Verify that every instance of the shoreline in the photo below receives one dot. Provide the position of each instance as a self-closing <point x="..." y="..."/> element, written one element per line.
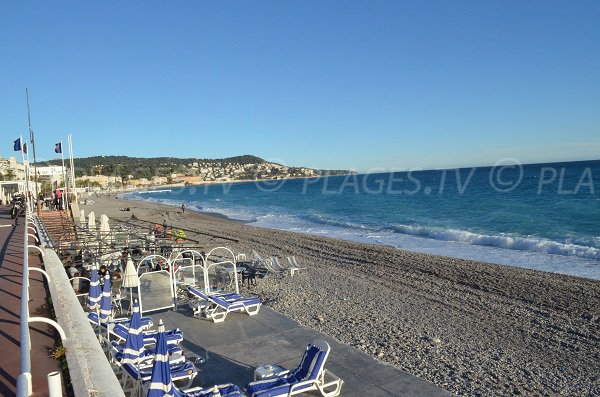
<point x="470" y="327"/>
<point x="516" y="258"/>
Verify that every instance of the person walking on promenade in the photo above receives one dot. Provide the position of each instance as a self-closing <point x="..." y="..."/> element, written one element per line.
<point x="59" y="203"/>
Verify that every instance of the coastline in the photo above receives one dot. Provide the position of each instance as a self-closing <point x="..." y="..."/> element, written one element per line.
<point x="524" y="251"/>
<point x="469" y="327"/>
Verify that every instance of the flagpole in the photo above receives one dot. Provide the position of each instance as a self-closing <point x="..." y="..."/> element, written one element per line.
<point x="32" y="140"/>
<point x="28" y="175"/>
<point x="70" y="144"/>
<point x="26" y="171"/>
<point x="24" y="167"/>
<point x="62" y="156"/>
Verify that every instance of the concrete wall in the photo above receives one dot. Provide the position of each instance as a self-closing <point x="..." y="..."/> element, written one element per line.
<point x="91" y="373"/>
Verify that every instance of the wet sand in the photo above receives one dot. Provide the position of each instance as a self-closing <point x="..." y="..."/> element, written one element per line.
<point x="473" y="328"/>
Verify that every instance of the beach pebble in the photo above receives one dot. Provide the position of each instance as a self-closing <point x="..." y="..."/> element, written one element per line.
<point x="504" y="331"/>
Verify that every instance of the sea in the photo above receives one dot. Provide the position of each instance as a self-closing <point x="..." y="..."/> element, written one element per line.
<point x="536" y="216"/>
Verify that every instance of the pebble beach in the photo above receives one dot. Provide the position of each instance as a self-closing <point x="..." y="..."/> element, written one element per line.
<point x="472" y="328"/>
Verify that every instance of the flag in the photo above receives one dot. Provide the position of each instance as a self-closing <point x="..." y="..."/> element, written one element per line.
<point x="17" y="145"/>
<point x="25" y="148"/>
<point x="58" y="147"/>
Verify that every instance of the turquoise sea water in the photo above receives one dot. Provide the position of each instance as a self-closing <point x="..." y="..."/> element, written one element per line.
<point x="542" y="216"/>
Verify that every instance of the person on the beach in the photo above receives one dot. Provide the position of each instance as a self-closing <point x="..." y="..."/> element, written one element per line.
<point x="164" y="225"/>
<point x="102" y="272"/>
<point x="182" y="208"/>
<point x="72" y="270"/>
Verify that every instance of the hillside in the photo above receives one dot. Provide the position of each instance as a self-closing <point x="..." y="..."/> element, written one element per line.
<point x="247" y="166"/>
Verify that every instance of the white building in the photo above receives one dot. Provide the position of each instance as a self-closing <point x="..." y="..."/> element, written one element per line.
<point x="55" y="172"/>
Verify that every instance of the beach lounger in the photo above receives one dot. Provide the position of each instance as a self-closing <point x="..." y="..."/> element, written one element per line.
<point x="271" y="268"/>
<point x="294" y="263"/>
<point x="119" y="329"/>
<point x="174" y="336"/>
<point x="226" y="390"/>
<point x="219" y="306"/>
<point x="285" y="267"/>
<point x="175" y="355"/>
<point x="133" y="375"/>
<point x="93" y="319"/>
<point x="310" y="375"/>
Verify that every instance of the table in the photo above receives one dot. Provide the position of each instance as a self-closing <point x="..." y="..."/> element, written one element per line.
<point x="267" y="371"/>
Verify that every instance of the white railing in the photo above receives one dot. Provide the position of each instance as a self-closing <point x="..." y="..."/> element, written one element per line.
<point x="24" y="381"/>
<point x="91" y="374"/>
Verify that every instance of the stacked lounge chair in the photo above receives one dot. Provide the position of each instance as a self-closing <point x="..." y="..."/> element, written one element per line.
<point x="119" y="328"/>
<point x="219" y="305"/>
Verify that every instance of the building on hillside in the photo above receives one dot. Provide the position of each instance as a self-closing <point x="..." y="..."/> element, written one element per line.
<point x="55" y="173"/>
<point x="103" y="180"/>
<point x="12" y="166"/>
<point x="159" y="180"/>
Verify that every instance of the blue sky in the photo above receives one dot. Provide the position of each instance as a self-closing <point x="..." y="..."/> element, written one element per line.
<point x="334" y="84"/>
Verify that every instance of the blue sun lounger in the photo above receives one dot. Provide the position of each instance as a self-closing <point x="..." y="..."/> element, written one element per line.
<point x="119" y="330"/>
<point x="175" y="355"/>
<point x="93" y="318"/>
<point x="226" y="390"/>
<point x="181" y="371"/>
<point x="174" y="336"/>
<point x="220" y="305"/>
<point x="309" y="376"/>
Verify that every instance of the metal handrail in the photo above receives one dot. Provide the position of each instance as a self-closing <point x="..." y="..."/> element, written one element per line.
<point x="24" y="384"/>
<point x="24" y="387"/>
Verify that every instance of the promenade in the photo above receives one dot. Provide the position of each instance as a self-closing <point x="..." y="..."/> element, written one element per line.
<point x="232" y="350"/>
<point x="42" y="339"/>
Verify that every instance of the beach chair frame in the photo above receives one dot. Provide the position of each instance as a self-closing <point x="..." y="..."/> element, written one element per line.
<point x="219" y="306"/>
<point x="325" y="382"/>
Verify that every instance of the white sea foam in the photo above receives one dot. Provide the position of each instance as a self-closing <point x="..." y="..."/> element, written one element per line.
<point x="506" y="241"/>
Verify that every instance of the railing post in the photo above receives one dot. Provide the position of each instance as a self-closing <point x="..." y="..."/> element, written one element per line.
<point x="37" y="269"/>
<point x="24" y="388"/>
<point x="54" y="384"/>
<point x="61" y="332"/>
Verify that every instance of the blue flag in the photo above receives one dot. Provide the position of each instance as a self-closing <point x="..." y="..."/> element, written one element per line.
<point x="17" y="145"/>
<point x="58" y="147"/>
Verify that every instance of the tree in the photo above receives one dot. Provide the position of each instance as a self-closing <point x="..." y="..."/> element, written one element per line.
<point x="10" y="175"/>
<point x="46" y="183"/>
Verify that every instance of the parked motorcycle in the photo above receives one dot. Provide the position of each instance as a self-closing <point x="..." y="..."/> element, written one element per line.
<point x="18" y="207"/>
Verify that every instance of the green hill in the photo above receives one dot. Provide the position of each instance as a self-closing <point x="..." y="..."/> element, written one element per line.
<point x="141" y="167"/>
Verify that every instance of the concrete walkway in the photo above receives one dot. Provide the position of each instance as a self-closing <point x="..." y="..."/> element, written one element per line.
<point x="234" y="348"/>
<point x="42" y="339"/>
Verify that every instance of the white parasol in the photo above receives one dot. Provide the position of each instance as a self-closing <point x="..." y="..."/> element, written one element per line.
<point x="105" y="229"/>
<point x="91" y="221"/>
<point x="130" y="278"/>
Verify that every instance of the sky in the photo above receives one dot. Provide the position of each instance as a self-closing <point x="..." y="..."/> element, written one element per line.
<point x="357" y="85"/>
